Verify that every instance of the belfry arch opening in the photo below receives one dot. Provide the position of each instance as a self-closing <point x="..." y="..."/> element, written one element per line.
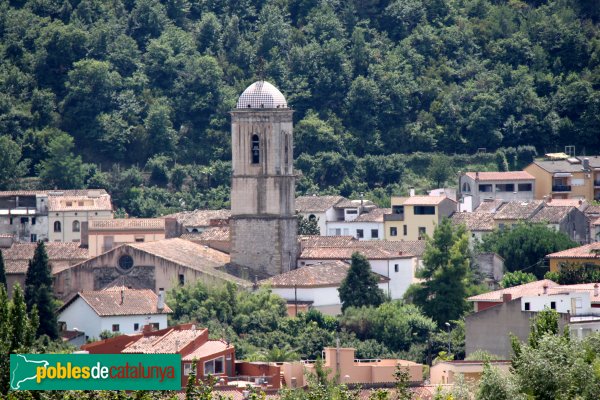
<point x="255" y="149"/>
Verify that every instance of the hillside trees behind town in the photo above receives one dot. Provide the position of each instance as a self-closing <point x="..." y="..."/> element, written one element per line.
<point x="525" y="246"/>
<point x="92" y="91"/>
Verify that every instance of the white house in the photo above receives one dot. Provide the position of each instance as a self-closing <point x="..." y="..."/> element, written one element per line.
<point x="508" y="186"/>
<point x="321" y="208"/>
<point x="366" y="226"/>
<point x="114" y="310"/>
<point x="316" y="284"/>
<point x="397" y="266"/>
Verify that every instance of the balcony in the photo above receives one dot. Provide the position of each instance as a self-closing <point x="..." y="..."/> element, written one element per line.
<point x="393" y="217"/>
<point x="561" y="188"/>
<point x="597" y="184"/>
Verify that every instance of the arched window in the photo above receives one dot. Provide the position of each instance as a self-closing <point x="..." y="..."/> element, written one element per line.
<point x="57" y="226"/>
<point x="76" y="226"/>
<point x="286" y="155"/>
<point x="255" y="149"/>
<point x="466" y="188"/>
<point x="312" y="217"/>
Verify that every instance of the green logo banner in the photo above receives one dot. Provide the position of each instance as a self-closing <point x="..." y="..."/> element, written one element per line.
<point x="95" y="371"/>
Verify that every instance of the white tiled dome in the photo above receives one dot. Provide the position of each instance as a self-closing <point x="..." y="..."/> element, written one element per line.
<point x="261" y="94"/>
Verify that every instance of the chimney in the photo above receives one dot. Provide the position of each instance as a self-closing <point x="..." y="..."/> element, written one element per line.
<point x="411" y="192"/>
<point x="586" y="164"/>
<point x="506" y="297"/>
<point x="161" y="299"/>
<point x="545" y="289"/>
<point x="122" y="296"/>
<point x="477" y="176"/>
<point x="596" y="290"/>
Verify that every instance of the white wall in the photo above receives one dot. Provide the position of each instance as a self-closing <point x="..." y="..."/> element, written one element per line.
<point x="350" y="228"/>
<point x="572" y="303"/>
<point x="81" y="316"/>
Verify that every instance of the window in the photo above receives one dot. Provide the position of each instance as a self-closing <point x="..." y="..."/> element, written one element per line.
<point x="125" y="262"/>
<point x="11" y="220"/>
<point x="255" y="149"/>
<point x="485" y="188"/>
<point x="346" y="231"/>
<point x="525" y="187"/>
<point x="360" y="233"/>
<point x="32" y="220"/>
<point x="214" y="366"/>
<point x="553" y="305"/>
<point x="466" y="187"/>
<point x="80" y="203"/>
<point x="351" y="211"/>
<point x="397" y="209"/>
<point x="424" y="210"/>
<point x="422" y="232"/>
<point x="136" y="327"/>
<point x="393" y="231"/>
<point x="115" y="328"/>
<point x="187" y="369"/>
<point x="33" y="238"/>
<point x="527" y="306"/>
<point x="24" y="220"/>
<point x="404" y="230"/>
<point x="501" y="226"/>
<point x="374" y="233"/>
<point x="181" y="279"/>
<point x="57" y="227"/>
<point x="312" y="217"/>
<point x="139" y="239"/>
<point x="155" y="326"/>
<point x="505" y="187"/>
<point x="76" y="226"/>
<point x="396" y="268"/>
<point x="69" y="204"/>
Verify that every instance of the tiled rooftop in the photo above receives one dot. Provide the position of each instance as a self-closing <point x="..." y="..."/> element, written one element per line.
<point x="79" y="203"/>
<point x="316" y="204"/>
<point x="217" y="233"/>
<point x="169" y="343"/>
<point x="501" y="176"/>
<point x="375" y="215"/>
<point x="474" y="221"/>
<point x="206" y="349"/>
<point x="586" y="251"/>
<point x="528" y="289"/>
<point x="16" y="258"/>
<point x="518" y="210"/>
<point x="82" y="192"/>
<point x="200" y="218"/>
<point x="566" y="202"/>
<point x="552" y="215"/>
<point x="425" y="200"/>
<point x="490" y="206"/>
<point x="126" y="224"/>
<point x="108" y="302"/>
<point x="326" y="241"/>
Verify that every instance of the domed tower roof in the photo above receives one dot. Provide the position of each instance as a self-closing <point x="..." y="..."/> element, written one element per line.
<point x="261" y="94"/>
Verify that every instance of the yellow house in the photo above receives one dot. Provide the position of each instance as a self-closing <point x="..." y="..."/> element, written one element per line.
<point x="416" y="216"/>
<point x="559" y="176"/>
<point x="67" y="212"/>
<point x="588" y="254"/>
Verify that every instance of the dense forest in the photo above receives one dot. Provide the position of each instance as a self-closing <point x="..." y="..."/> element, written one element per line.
<point x="133" y="95"/>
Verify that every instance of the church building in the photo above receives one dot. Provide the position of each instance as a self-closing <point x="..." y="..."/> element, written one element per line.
<point x="263" y="222"/>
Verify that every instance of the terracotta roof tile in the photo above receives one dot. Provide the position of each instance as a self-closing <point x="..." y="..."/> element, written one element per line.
<point x="347" y="203"/>
<point x="317" y="204"/>
<point x="108" y="302"/>
<point x="200" y="218"/>
<point x="330" y="273"/>
<point x="566" y="202"/>
<point x="490" y="206"/>
<point x="17" y="257"/>
<point x="405" y="247"/>
<point x="425" y="200"/>
<point x="528" y="289"/>
<point x="207" y="349"/>
<point x="126" y="223"/>
<point x="583" y="287"/>
<point x="326" y="241"/>
<point x="169" y="343"/>
<point x="592" y="210"/>
<point x="585" y="251"/>
<point x="518" y="210"/>
<point x="474" y="221"/>
<point x="552" y="215"/>
<point x="217" y="233"/>
<point x="49" y="192"/>
<point x="375" y="215"/>
<point x="79" y="203"/>
<point x="502" y="176"/>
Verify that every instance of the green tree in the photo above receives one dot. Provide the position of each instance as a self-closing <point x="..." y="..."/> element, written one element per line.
<point x="11" y="166"/>
<point x="62" y="169"/>
<point x="38" y="291"/>
<point x="2" y="272"/>
<point x="360" y="287"/>
<point x="439" y="170"/>
<point x="545" y="323"/>
<point x="496" y="385"/>
<point x="516" y="278"/>
<point x="308" y="226"/>
<point x="524" y="246"/>
<point x="445" y="274"/>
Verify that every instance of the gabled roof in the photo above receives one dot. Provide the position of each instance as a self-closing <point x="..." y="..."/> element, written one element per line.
<point x="18" y="255"/>
<point x="326" y="241"/>
<point x="501" y="176"/>
<point x="217" y="233"/>
<point x="200" y="218"/>
<point x="592" y="210"/>
<point x="585" y="251"/>
<point x="399" y="247"/>
<point x="425" y="200"/>
<point x="490" y="206"/>
<point x="347" y="203"/>
<point x="528" y="289"/>
<point x="170" y="342"/>
<point x="120" y="302"/>
<point x="552" y="215"/>
<point x="581" y="204"/>
<point x="514" y="210"/>
<point x="474" y="221"/>
<point x="375" y="215"/>
<point x="316" y="204"/>
<point x="207" y="349"/>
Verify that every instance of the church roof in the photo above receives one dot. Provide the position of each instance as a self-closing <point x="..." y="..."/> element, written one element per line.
<point x="261" y="94"/>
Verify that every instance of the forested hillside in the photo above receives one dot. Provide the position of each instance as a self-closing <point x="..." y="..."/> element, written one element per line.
<point x="133" y="95"/>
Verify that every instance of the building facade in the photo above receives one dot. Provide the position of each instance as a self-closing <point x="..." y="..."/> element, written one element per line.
<point x="482" y="186"/>
<point x="263" y="182"/>
<point x="414" y="217"/>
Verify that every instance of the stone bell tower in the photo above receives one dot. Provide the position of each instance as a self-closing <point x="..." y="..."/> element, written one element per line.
<point x="263" y="222"/>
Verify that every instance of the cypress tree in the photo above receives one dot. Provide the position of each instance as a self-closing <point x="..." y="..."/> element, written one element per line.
<point x="38" y="292"/>
<point x="2" y="271"/>
<point x="360" y="288"/>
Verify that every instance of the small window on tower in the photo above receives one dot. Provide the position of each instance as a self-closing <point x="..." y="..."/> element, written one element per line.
<point x="255" y="149"/>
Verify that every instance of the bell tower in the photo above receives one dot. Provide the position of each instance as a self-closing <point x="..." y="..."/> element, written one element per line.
<point x="263" y="222"/>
